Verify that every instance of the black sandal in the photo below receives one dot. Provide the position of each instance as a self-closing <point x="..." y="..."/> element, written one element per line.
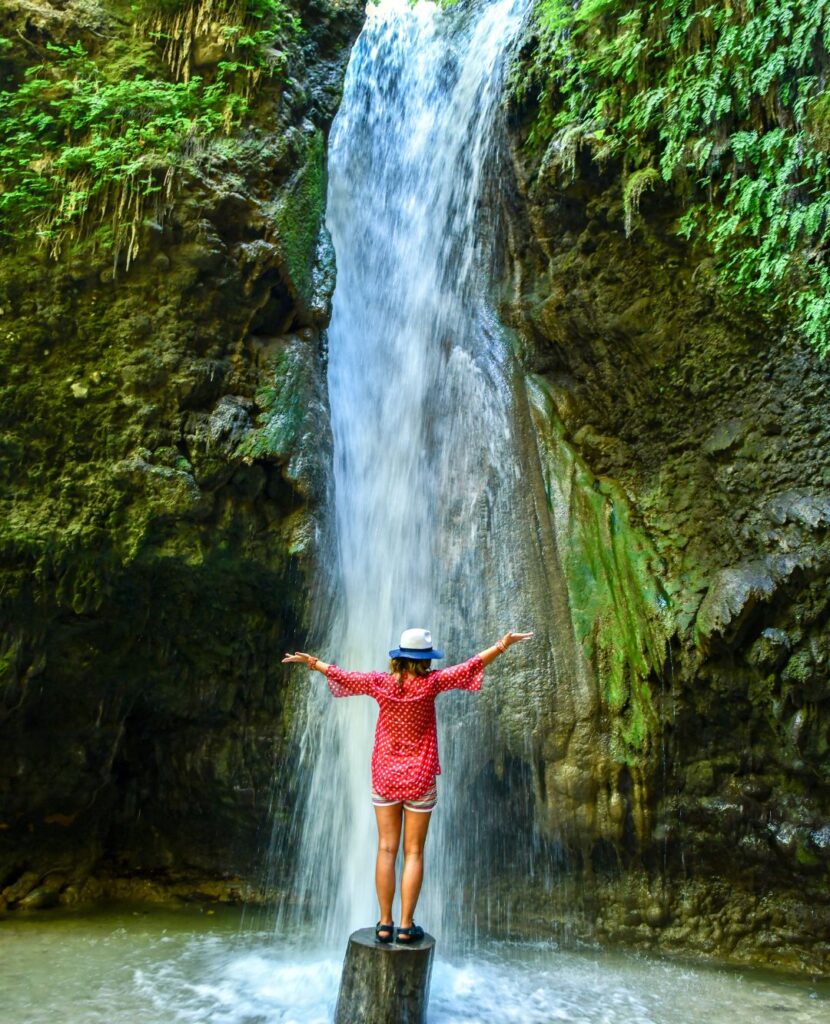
<point x="384" y="928"/>
<point x="414" y="934"/>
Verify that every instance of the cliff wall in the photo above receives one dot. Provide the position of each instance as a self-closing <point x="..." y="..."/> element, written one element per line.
<point x="166" y="453"/>
<point x="685" y="448"/>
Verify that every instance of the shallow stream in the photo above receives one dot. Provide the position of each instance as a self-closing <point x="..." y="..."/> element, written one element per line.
<point x="187" y="966"/>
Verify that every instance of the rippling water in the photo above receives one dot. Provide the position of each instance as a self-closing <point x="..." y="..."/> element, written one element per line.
<point x="164" y="967"/>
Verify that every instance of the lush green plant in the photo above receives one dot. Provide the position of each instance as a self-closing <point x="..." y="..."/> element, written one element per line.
<point x="251" y="29"/>
<point x="725" y="101"/>
<point x="97" y="142"/>
<point x="72" y="142"/>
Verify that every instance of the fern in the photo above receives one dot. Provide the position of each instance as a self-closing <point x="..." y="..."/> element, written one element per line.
<point x="725" y="99"/>
<point x="91" y="141"/>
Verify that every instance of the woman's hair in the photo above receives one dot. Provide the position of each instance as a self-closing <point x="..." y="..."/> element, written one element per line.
<point x="412" y="666"/>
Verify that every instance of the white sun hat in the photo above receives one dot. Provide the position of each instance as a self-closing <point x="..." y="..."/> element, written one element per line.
<point x="416" y="644"/>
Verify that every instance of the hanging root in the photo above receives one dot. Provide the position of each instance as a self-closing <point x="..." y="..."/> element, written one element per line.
<point x="635" y="185"/>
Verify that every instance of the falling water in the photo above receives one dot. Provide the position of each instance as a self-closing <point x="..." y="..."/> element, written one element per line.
<point x="425" y="471"/>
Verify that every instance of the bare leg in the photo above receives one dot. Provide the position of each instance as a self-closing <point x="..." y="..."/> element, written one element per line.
<point x="389" y="837"/>
<point x="415" y="828"/>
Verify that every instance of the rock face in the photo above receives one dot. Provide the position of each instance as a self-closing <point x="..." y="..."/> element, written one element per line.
<point x="165" y="466"/>
<point x="685" y="451"/>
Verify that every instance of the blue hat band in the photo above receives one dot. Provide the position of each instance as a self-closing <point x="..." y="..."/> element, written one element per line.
<point x="416" y="653"/>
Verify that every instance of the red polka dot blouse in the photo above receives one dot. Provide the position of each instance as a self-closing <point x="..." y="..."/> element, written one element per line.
<point x="405" y="754"/>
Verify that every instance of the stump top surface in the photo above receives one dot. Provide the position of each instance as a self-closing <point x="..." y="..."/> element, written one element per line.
<point x="366" y="937"/>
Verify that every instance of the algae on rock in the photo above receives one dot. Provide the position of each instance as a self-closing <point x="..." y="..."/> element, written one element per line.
<point x="618" y="609"/>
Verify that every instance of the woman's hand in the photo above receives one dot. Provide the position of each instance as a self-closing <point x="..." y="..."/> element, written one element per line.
<point x="513" y="638"/>
<point x="501" y="646"/>
<point x="305" y="659"/>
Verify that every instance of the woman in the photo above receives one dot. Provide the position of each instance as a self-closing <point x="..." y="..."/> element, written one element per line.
<point x="405" y="756"/>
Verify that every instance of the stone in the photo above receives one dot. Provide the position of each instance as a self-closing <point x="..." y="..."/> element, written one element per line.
<point x="820" y="839"/>
<point x="725" y="436"/>
<point x="700" y="778"/>
<point x="207" y="51"/>
<point x="734" y="592"/>
<point x="770" y="650"/>
<point x="41" y="898"/>
<point x="805" y="508"/>
<point x="384" y="982"/>
<point x="22" y="887"/>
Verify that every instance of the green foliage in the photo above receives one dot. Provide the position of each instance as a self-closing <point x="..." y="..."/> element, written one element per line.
<point x="73" y="139"/>
<point x="95" y="142"/>
<point x="726" y="101"/>
<point x="250" y="29"/>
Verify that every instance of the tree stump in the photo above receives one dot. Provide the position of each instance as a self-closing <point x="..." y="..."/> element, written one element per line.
<point x="384" y="983"/>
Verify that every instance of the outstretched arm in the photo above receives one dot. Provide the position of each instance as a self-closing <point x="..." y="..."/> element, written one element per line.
<point x="469" y="674"/>
<point x="341" y="683"/>
<point x="501" y="646"/>
<point x="307" y="659"/>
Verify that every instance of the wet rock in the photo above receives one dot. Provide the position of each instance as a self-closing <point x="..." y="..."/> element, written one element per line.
<point x="700" y="778"/>
<point x="44" y="896"/>
<point x="725" y="437"/>
<point x="733" y="594"/>
<point x="208" y="51"/>
<point x="200" y="383"/>
<point x="143" y="556"/>
<point x="806" y="508"/>
<point x="24" y="885"/>
<point x="820" y="839"/>
<point x="229" y="423"/>
<point x="657" y="914"/>
<point x="249" y="481"/>
<point x="804" y="676"/>
<point x="169" y="491"/>
<point x="214" y="439"/>
<point x="709" y="423"/>
<point x="770" y="650"/>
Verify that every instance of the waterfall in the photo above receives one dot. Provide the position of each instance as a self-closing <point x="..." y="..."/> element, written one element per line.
<point x="428" y="486"/>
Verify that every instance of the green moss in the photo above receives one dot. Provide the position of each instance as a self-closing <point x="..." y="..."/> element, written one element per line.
<point x="805" y="856"/>
<point x="299" y="215"/>
<point x="283" y="404"/>
<point x="619" y="609"/>
<point x="818" y="121"/>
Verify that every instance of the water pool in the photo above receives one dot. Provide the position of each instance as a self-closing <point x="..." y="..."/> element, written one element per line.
<point x="169" y="966"/>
